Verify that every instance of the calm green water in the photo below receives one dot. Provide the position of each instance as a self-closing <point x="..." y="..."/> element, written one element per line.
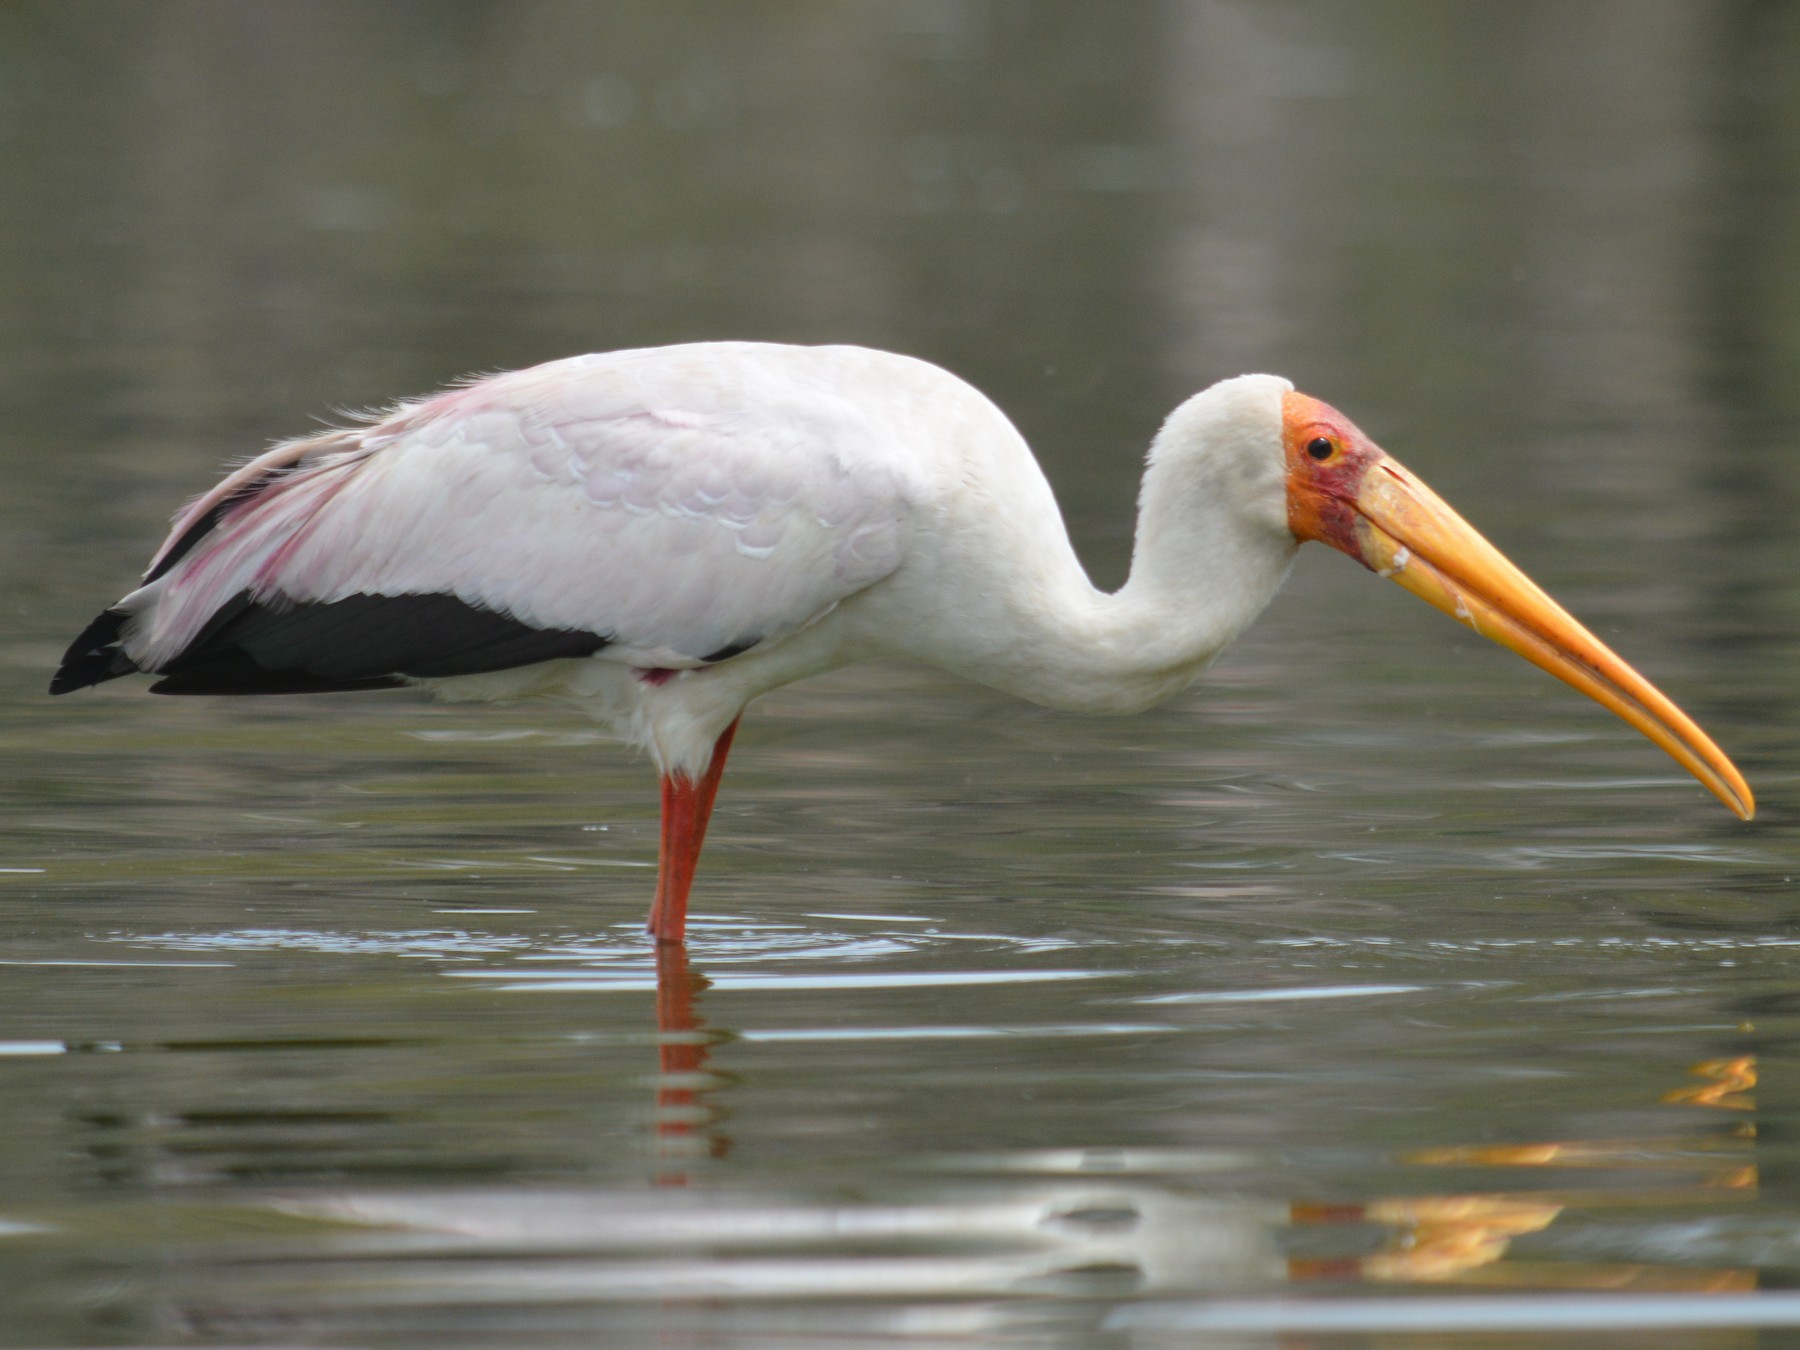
<point x="1377" y="971"/>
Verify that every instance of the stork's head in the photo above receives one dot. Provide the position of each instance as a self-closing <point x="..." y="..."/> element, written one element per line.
<point x="1344" y="490"/>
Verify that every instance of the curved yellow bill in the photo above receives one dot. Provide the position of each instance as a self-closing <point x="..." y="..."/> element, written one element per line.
<point x="1407" y="533"/>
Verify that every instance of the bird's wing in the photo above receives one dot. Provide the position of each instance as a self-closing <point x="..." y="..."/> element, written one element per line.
<point x="672" y="521"/>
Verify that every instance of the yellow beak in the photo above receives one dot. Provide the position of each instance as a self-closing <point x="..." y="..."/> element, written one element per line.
<point x="1406" y="532"/>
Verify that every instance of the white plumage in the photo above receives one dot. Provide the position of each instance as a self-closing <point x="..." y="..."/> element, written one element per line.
<point x="683" y="500"/>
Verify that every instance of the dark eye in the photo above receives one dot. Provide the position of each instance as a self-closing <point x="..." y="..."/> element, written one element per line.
<point x="1321" y="447"/>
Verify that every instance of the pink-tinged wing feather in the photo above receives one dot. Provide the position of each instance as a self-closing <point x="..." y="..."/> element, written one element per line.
<point x="678" y="509"/>
<point x="243" y="481"/>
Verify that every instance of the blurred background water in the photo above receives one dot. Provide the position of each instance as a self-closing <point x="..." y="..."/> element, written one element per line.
<point x="1376" y="970"/>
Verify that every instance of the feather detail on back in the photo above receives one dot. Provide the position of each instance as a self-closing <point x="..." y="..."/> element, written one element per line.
<point x="680" y="520"/>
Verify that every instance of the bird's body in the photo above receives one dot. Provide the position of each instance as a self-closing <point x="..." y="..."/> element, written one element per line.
<point x="710" y="522"/>
<point x="665" y="534"/>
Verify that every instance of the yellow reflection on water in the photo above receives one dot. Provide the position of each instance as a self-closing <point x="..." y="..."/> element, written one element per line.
<point x="1466" y="1239"/>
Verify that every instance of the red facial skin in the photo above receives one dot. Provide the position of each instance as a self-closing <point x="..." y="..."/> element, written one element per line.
<point x="1322" y="492"/>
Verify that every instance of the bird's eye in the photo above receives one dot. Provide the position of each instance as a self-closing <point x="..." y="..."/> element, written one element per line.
<point x="1321" y="447"/>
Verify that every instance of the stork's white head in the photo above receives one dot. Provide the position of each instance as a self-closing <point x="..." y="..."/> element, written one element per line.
<point x="1222" y="451"/>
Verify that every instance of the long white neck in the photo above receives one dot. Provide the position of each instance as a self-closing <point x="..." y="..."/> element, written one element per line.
<point x="1212" y="548"/>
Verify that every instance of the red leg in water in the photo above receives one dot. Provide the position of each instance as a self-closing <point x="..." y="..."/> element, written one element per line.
<point x="686" y="807"/>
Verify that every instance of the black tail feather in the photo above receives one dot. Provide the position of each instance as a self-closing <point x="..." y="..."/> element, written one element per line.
<point x="95" y="656"/>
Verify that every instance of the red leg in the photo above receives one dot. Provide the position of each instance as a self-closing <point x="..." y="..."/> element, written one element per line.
<point x="686" y="807"/>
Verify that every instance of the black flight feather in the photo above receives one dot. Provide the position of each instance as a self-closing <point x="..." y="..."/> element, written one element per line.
<point x="360" y="642"/>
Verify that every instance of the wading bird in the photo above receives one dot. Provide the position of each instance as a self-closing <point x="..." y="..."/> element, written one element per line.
<point x="662" y="535"/>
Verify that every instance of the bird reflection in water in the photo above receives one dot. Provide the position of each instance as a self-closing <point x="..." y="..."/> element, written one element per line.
<point x="988" y="1234"/>
<point x="686" y="1123"/>
<point x="1438" y="1239"/>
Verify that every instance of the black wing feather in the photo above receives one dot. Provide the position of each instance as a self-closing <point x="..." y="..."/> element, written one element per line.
<point x="360" y="642"/>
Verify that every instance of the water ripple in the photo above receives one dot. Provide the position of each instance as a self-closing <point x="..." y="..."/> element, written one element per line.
<point x="715" y="942"/>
